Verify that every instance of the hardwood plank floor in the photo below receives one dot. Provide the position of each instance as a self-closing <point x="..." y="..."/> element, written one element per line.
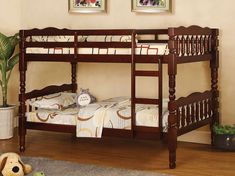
<point x="192" y="159"/>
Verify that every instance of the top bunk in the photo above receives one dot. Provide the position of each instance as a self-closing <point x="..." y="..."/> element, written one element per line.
<point x="187" y="44"/>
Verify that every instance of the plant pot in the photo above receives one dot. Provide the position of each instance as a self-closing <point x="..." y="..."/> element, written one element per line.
<point x="6" y="122"/>
<point x="225" y="141"/>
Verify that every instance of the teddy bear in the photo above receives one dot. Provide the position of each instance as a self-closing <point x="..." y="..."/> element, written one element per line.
<point x="11" y="165"/>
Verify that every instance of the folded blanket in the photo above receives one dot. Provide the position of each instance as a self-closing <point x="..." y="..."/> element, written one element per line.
<point x="90" y="120"/>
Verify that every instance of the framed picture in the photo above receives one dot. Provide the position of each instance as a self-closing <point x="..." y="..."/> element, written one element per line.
<point x="151" y="6"/>
<point x="87" y="6"/>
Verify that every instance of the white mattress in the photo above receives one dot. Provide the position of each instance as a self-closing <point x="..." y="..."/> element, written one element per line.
<point x="81" y="38"/>
<point x="141" y="49"/>
<point x="64" y="117"/>
<point x="119" y="116"/>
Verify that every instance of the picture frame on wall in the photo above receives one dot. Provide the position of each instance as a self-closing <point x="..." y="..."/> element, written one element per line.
<point x="151" y="6"/>
<point x="87" y="6"/>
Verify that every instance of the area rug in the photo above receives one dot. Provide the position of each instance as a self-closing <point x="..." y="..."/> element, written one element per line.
<point x="64" y="168"/>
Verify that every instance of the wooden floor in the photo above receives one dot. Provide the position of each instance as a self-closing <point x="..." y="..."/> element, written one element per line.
<point x="192" y="159"/>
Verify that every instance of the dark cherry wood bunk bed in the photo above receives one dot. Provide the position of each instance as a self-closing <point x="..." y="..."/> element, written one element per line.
<point x="186" y="45"/>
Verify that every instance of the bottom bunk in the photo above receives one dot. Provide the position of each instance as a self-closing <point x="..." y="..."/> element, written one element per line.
<point x="112" y="117"/>
<point x="101" y="118"/>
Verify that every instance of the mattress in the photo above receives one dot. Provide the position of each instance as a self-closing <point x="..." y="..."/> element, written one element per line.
<point x="64" y="117"/>
<point x="117" y="117"/>
<point x="141" y="48"/>
<point x="80" y="38"/>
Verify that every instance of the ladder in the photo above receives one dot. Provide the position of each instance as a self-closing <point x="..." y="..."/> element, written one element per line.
<point x="145" y="73"/>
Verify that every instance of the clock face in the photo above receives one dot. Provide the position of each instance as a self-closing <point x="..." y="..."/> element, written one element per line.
<point x="84" y="99"/>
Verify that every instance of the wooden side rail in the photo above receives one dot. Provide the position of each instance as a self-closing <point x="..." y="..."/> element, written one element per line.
<point x="50" y="57"/>
<point x="193" y="111"/>
<point x="140" y="132"/>
<point x="80" y="44"/>
<point x="48" y="90"/>
<point x="92" y="58"/>
<point x="151" y="31"/>
<point x="191" y="59"/>
<point x="50" y="30"/>
<point x="49" y="44"/>
<point x="105" y="32"/>
<point x="56" y="31"/>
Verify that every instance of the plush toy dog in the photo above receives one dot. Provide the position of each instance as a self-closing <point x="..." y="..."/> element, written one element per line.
<point x="11" y="165"/>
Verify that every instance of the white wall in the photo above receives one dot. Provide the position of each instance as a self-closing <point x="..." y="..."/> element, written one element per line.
<point x="10" y="20"/>
<point x="10" y="16"/>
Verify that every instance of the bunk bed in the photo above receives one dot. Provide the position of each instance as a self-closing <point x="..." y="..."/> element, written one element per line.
<point x="183" y="45"/>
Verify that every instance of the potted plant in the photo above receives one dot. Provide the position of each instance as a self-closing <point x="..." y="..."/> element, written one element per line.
<point x="224" y="137"/>
<point x="7" y="62"/>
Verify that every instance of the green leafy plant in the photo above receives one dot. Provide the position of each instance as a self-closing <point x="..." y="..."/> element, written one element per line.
<point x="7" y="62"/>
<point x="224" y="129"/>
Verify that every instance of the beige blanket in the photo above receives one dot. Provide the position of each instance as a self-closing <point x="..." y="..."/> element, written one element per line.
<point x="90" y="120"/>
<point x="115" y="113"/>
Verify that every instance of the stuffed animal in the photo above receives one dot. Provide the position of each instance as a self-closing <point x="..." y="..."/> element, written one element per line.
<point x="38" y="174"/>
<point x="84" y="98"/>
<point x="11" y="165"/>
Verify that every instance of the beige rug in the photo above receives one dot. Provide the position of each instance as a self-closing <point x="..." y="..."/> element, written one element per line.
<point x="64" y="168"/>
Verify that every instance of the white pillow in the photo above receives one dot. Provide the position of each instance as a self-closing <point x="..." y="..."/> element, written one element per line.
<point x="57" y="101"/>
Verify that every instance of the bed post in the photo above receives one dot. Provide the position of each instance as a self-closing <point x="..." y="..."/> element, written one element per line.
<point x="73" y="76"/>
<point x="172" y="119"/>
<point x="22" y="107"/>
<point x="214" y="65"/>
<point x="74" y="64"/>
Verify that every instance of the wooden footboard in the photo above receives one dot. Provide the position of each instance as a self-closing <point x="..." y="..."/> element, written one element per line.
<point x="193" y="111"/>
<point x="192" y="44"/>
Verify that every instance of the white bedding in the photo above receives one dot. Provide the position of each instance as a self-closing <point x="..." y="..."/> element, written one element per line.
<point x="81" y="38"/>
<point x="64" y="117"/>
<point x="141" y="49"/>
<point x="90" y="120"/>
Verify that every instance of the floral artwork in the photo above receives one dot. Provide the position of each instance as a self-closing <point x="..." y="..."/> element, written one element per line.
<point x="88" y="3"/>
<point x="87" y="6"/>
<point x="151" y="6"/>
<point x="152" y="3"/>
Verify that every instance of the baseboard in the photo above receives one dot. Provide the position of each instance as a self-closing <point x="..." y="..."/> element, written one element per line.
<point x="202" y="137"/>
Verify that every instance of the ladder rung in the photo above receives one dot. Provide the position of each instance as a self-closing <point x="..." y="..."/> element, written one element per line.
<point x="146" y="101"/>
<point x="146" y="73"/>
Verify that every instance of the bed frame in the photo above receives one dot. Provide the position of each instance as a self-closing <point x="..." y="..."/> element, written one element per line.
<point x="186" y="45"/>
